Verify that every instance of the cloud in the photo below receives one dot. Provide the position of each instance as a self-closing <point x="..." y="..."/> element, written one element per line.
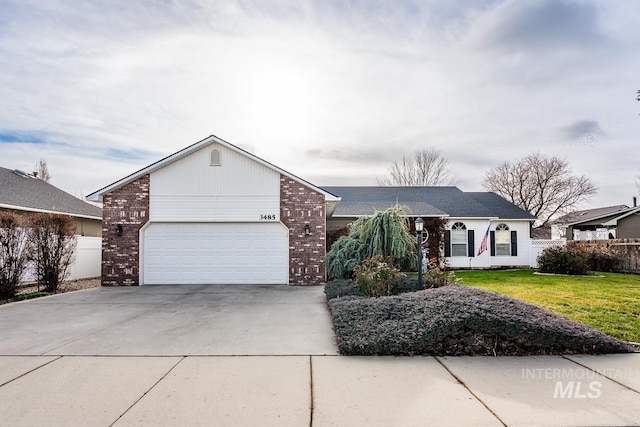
<point x="333" y="91"/>
<point x="22" y="137"/>
<point x="585" y="131"/>
<point x="540" y="25"/>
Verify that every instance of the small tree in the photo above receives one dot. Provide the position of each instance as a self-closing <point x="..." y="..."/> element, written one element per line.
<point x="42" y="171"/>
<point x="53" y="242"/>
<point x="13" y="252"/>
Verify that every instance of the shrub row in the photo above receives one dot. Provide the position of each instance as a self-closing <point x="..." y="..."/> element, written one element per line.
<point x="455" y="320"/>
<point x="341" y="288"/>
<point x="578" y="259"/>
<point x="46" y="242"/>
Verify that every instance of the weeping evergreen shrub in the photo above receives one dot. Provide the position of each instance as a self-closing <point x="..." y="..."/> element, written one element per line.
<point x="343" y="257"/>
<point x="384" y="233"/>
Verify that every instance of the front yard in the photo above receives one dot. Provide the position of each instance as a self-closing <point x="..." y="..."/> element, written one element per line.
<point x="610" y="304"/>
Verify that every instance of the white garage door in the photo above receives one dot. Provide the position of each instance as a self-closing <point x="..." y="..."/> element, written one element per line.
<point x="215" y="253"/>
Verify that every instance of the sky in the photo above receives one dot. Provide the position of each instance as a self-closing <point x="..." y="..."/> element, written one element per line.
<point x="332" y="91"/>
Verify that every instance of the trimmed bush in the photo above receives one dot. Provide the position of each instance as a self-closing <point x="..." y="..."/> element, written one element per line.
<point x="602" y="258"/>
<point x="455" y="320"/>
<point x="342" y="288"/>
<point x="563" y="260"/>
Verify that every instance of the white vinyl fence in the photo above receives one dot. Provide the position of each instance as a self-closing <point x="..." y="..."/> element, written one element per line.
<point x="87" y="260"/>
<point x="539" y="245"/>
<point x="602" y="234"/>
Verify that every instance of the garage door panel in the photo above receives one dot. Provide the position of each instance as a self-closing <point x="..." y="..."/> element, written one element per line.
<point x="215" y="253"/>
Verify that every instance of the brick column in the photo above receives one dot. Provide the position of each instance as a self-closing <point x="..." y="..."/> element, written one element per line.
<point x="129" y="206"/>
<point x="299" y="205"/>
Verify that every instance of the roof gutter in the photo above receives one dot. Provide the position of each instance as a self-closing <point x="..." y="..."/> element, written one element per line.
<point x="26" y="209"/>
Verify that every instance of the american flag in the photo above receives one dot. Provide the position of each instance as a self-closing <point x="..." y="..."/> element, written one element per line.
<point x="483" y="245"/>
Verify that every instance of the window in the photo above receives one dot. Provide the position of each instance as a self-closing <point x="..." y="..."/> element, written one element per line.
<point x="503" y="240"/>
<point x="215" y="157"/>
<point x="458" y="239"/>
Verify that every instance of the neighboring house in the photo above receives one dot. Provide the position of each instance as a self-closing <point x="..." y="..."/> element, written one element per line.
<point x="469" y="215"/>
<point x="560" y="225"/>
<point x="213" y="213"/>
<point x="620" y="224"/>
<point x="23" y="193"/>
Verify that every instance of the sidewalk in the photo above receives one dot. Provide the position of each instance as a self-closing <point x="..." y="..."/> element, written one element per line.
<point x="319" y="391"/>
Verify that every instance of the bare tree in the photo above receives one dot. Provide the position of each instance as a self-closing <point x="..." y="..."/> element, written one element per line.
<point x="42" y="171"/>
<point x="543" y="186"/>
<point x="427" y="168"/>
<point x="53" y="246"/>
<point x="14" y="247"/>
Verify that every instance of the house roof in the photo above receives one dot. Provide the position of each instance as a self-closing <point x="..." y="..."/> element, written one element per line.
<point x="23" y="192"/>
<point x="614" y="221"/>
<point x="425" y="201"/>
<point x="589" y="214"/>
<point x="607" y="219"/>
<point x="97" y="195"/>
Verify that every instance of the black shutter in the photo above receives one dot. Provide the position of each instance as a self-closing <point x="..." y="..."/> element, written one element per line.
<point x="471" y="243"/>
<point x="514" y="243"/>
<point x="493" y="243"/>
<point x="447" y="243"/>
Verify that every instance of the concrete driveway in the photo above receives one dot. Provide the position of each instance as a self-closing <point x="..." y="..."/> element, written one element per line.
<point x="176" y="320"/>
<point x="265" y="356"/>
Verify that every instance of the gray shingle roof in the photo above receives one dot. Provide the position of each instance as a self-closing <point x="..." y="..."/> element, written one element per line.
<point x="499" y="206"/>
<point x="24" y="192"/>
<point x="425" y="201"/>
<point x="589" y="214"/>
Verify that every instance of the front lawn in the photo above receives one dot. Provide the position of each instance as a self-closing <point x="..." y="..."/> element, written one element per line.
<point x="610" y="304"/>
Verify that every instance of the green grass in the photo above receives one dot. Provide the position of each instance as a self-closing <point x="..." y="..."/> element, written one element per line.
<point x="610" y="304"/>
<point x="31" y="295"/>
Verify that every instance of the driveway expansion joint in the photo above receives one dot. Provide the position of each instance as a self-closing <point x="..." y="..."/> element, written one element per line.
<point x="31" y="370"/>
<point x="148" y="391"/>
<point x="602" y="374"/>
<point x="482" y="402"/>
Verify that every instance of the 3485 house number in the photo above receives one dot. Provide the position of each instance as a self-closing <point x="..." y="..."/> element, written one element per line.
<point x="270" y="217"/>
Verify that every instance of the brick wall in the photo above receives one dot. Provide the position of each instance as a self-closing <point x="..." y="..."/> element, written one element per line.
<point x="299" y="206"/>
<point x="129" y="206"/>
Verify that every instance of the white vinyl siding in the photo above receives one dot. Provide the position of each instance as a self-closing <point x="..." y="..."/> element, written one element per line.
<point x="214" y="208"/>
<point x="190" y="190"/>
<point x="215" y="253"/>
